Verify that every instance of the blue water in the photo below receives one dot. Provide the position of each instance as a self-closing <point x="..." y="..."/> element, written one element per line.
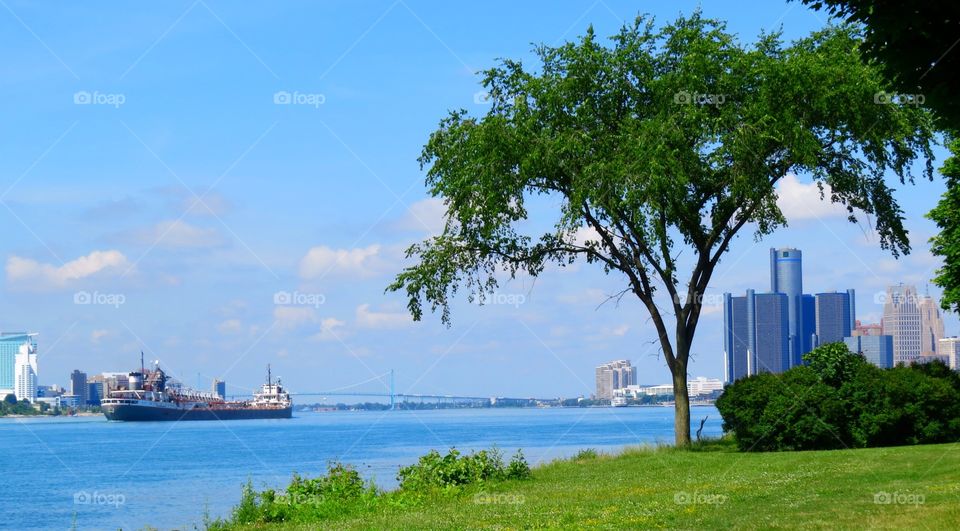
<point x="92" y="474"/>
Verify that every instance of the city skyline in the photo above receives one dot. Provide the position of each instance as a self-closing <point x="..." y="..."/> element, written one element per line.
<point x="219" y="241"/>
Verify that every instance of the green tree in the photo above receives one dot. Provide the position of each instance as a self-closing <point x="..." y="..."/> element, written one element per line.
<point x="946" y="244"/>
<point x="666" y="142"/>
<point x="913" y="42"/>
<point x="833" y="362"/>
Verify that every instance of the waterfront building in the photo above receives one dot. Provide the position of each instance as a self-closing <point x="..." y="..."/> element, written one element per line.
<point x="834" y="313"/>
<point x="756" y="334"/>
<point x="10" y="343"/>
<point x="25" y="373"/>
<point x="79" y="387"/>
<point x="931" y="325"/>
<point x="929" y="358"/>
<point x="699" y="386"/>
<point x="614" y="375"/>
<point x="69" y="400"/>
<point x="877" y="349"/>
<point x="901" y="319"/>
<point x="950" y="347"/>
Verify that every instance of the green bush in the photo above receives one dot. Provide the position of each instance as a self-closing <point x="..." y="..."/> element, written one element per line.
<point x="435" y="471"/>
<point x="839" y="400"/>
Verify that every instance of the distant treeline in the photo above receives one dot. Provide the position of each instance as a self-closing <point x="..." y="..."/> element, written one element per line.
<point x="481" y="404"/>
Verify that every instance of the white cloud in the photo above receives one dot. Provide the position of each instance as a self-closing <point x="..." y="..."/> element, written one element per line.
<point x="427" y="215"/>
<point x="620" y="331"/>
<point x="368" y="318"/>
<point x="328" y="330"/>
<point x="24" y="272"/>
<point x="360" y="261"/>
<point x="179" y="234"/>
<point x="800" y="201"/>
<point x="230" y="326"/>
<point x="97" y="335"/>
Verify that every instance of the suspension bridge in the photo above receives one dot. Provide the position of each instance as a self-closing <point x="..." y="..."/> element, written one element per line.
<point x="389" y="392"/>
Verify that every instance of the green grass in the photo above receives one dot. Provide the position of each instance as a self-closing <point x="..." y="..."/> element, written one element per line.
<point x="712" y="487"/>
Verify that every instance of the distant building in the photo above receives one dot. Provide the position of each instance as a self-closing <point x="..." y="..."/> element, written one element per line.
<point x="25" y="373"/>
<point x="699" y="386"/>
<point x="10" y="343"/>
<point x="931" y="325"/>
<point x="834" y="313"/>
<point x="79" y="387"/>
<point x="220" y="388"/>
<point x="786" y="277"/>
<point x="756" y="334"/>
<point x="901" y="319"/>
<point x="930" y="358"/>
<point x="614" y="375"/>
<point x="69" y="400"/>
<point x="877" y="349"/>
<point x="867" y="329"/>
<point x="950" y="347"/>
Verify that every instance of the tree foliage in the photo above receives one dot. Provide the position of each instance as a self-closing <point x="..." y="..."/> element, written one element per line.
<point x="914" y="43"/>
<point x="667" y="141"/>
<point x="946" y="243"/>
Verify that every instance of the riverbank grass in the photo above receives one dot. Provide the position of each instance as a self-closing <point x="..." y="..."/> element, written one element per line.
<point x="712" y="486"/>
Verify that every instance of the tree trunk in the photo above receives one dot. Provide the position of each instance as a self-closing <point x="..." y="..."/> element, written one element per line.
<point x="681" y="398"/>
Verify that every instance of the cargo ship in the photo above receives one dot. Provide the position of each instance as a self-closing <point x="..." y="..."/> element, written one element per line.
<point x="151" y="395"/>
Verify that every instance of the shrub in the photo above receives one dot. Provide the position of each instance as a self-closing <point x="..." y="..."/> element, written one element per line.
<point x="434" y="471"/>
<point x="518" y="468"/>
<point x="841" y="401"/>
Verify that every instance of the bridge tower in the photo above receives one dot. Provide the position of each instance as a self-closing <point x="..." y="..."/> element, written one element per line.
<point x="392" y="393"/>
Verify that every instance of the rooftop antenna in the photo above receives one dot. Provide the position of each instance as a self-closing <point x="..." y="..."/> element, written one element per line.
<point x="141" y="363"/>
<point x="268" y="376"/>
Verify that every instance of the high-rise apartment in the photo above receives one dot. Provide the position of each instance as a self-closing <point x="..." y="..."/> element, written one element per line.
<point x="614" y="375"/>
<point x="901" y="319"/>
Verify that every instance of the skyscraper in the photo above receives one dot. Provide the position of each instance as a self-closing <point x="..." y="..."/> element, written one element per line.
<point x="219" y="388"/>
<point x="950" y="347"/>
<point x="10" y="344"/>
<point x="756" y="334"/>
<point x="614" y="375"/>
<point x="931" y="325"/>
<point x="833" y="312"/>
<point x="901" y="319"/>
<point x="25" y="373"/>
<point x="786" y="276"/>
<point x="79" y="387"/>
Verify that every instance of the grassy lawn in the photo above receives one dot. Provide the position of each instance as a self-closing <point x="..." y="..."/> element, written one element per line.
<point x="713" y="488"/>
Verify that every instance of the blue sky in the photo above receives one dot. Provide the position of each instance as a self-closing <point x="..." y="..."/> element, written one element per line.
<point x="168" y="213"/>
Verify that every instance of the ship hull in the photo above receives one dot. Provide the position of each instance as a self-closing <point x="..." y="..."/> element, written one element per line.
<point x="139" y="413"/>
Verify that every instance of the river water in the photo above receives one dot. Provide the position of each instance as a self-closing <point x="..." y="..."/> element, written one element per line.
<point x="87" y="473"/>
